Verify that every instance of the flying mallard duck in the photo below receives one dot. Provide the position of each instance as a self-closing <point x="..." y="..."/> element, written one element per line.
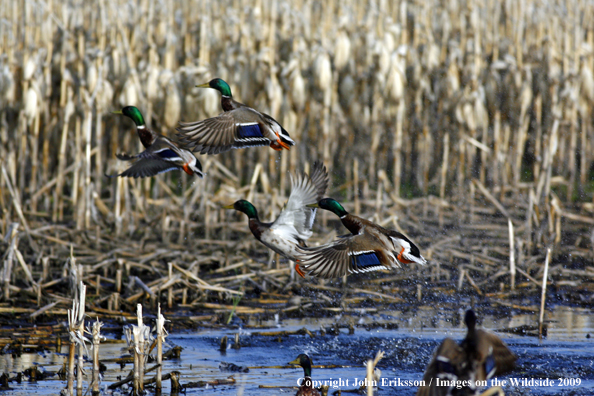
<point x="369" y="248"/>
<point x="239" y="126"/>
<point x="480" y="356"/>
<point x="293" y="225"/>
<point x="306" y="388"/>
<point x="161" y="154"/>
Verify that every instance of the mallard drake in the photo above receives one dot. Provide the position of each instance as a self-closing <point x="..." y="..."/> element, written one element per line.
<point x="293" y="225"/>
<point x="370" y="247"/>
<point x="306" y="388"/>
<point x="480" y="356"/>
<point x="161" y="154"/>
<point x="239" y="126"/>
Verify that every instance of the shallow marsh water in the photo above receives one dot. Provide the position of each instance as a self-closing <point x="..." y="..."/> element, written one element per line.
<point x="567" y="353"/>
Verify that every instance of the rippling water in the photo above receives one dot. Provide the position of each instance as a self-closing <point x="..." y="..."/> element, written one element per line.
<point x="565" y="357"/>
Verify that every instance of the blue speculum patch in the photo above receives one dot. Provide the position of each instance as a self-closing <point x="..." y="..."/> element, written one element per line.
<point x="366" y="259"/>
<point x="249" y="131"/>
<point x="168" y="154"/>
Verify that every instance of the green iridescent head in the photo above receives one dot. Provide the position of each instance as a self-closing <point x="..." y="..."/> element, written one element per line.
<point x="133" y="113"/>
<point x="304" y="361"/>
<point x="218" y="84"/>
<point x="244" y="206"/>
<point x="333" y="206"/>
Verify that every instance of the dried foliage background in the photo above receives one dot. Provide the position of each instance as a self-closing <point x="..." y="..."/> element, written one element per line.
<point x="445" y="117"/>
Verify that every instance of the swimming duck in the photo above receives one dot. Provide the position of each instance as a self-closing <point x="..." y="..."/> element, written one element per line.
<point x="161" y="154"/>
<point x="306" y="388"/>
<point x="480" y="356"/>
<point x="370" y="247"/>
<point x="293" y="225"/>
<point x="239" y="126"/>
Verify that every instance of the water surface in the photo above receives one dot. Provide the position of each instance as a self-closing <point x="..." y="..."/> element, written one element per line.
<point x="565" y="356"/>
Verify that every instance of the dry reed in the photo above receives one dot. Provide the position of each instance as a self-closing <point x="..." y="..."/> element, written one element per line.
<point x="415" y="107"/>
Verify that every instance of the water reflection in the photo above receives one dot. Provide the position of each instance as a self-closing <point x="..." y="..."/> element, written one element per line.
<point x="564" y="323"/>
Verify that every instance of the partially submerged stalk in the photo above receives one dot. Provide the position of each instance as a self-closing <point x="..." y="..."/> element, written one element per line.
<point x="138" y="337"/>
<point x="544" y="294"/>
<point x="97" y="337"/>
<point x="161" y="334"/>
<point x="76" y="331"/>
<point x="81" y="330"/>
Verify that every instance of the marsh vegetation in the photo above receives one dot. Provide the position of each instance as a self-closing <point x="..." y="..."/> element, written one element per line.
<point x="467" y="125"/>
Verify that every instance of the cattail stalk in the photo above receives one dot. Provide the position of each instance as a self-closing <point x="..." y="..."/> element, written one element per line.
<point x="398" y="147"/>
<point x="512" y="253"/>
<point x="118" y="206"/>
<point x="78" y="160"/>
<point x="139" y="354"/>
<point x="34" y="143"/>
<point x="543" y="294"/>
<point x="17" y="206"/>
<point x="497" y="148"/>
<point x="170" y="289"/>
<point x="137" y="337"/>
<point x="538" y="137"/>
<point x="97" y="337"/>
<point x="356" y="186"/>
<point x="88" y="121"/>
<point x="369" y="377"/>
<point x="81" y="331"/>
<point x="76" y="330"/>
<point x="444" y="172"/>
<point x="8" y="262"/>
<point x="573" y="133"/>
<point x="58" y="194"/>
<point x="161" y="334"/>
<point x="71" y="359"/>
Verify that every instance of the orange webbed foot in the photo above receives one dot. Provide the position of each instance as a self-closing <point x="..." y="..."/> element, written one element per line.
<point x="298" y="270"/>
<point x="284" y="145"/>
<point x="281" y="144"/>
<point x="276" y="146"/>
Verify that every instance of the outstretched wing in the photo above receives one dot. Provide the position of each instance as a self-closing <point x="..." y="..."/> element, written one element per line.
<point x="305" y="190"/>
<point x="145" y="167"/>
<point x="159" y="158"/>
<point x="351" y="254"/>
<point x="499" y="359"/>
<point x="238" y="128"/>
